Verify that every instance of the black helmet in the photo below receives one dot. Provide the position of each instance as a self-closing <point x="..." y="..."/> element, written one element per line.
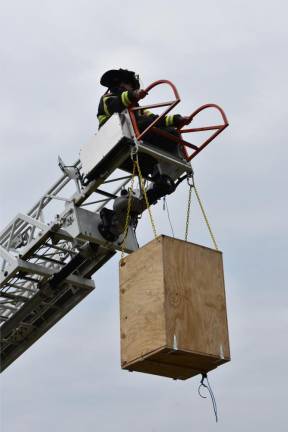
<point x="114" y="77"/>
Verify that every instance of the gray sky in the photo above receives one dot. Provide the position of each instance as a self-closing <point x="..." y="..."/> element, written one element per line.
<point x="229" y="52"/>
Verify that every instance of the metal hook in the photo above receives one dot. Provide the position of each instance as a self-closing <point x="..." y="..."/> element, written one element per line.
<point x="190" y="180"/>
<point x="134" y="152"/>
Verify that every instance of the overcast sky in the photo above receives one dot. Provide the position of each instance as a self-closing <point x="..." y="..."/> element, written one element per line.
<point x="233" y="53"/>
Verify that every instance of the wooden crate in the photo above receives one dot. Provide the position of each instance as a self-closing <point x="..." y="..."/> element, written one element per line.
<point x="173" y="309"/>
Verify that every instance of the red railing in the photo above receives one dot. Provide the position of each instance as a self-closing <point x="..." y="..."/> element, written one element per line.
<point x="170" y="105"/>
<point x="218" y="128"/>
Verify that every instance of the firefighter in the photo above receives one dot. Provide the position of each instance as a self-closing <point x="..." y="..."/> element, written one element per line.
<point x="123" y="90"/>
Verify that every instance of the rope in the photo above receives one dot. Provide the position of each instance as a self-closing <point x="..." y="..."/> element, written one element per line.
<point x="208" y="387"/>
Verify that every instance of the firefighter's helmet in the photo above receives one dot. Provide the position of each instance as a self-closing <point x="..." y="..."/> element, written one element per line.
<point x="113" y="77"/>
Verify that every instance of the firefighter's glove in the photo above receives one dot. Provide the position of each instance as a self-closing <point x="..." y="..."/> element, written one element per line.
<point x="139" y="94"/>
<point x="183" y="121"/>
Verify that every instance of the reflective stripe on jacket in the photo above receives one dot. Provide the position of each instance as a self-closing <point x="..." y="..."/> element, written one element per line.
<point x="111" y="103"/>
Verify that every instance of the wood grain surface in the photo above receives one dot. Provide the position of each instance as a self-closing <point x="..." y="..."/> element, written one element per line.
<point x="173" y="309"/>
<point x="142" y="300"/>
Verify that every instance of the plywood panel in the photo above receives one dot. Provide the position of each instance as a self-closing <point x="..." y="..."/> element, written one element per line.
<point x="195" y="298"/>
<point x="142" y="302"/>
<point x="167" y="370"/>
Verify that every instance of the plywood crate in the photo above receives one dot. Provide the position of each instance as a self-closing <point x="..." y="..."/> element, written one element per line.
<point x="173" y="309"/>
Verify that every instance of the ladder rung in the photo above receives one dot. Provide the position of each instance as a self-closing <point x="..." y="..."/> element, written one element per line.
<point x="30" y="279"/>
<point x="14" y="297"/>
<point x="19" y="287"/>
<point x="48" y="259"/>
<point x="56" y="247"/>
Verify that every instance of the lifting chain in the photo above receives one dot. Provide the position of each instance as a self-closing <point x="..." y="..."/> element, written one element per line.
<point x="191" y="183"/>
<point x="146" y="198"/>
<point x="136" y="166"/>
<point x="127" y="220"/>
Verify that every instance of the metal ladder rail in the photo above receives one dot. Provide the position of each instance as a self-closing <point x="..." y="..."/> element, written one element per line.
<point x="18" y="227"/>
<point x="28" y="287"/>
<point x="31" y="257"/>
<point x="34" y="319"/>
<point x="34" y="212"/>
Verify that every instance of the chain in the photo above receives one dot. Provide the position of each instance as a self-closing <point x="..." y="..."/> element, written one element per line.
<point x="146" y="198"/>
<point x="188" y="208"/>
<point x="128" y="210"/>
<point x="127" y="220"/>
<point x="205" y="217"/>
<point x="191" y="183"/>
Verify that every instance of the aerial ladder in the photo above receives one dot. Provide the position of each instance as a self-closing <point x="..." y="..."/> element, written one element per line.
<point x="49" y="254"/>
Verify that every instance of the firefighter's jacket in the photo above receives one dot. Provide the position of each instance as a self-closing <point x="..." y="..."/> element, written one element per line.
<point x="120" y="99"/>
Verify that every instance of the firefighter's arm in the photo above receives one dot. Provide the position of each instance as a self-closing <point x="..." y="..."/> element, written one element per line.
<point x="175" y="120"/>
<point x="172" y="120"/>
<point x="117" y="103"/>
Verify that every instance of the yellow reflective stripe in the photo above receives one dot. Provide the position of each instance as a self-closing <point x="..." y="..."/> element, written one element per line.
<point x="125" y="99"/>
<point x="147" y="113"/>
<point x="105" y="106"/>
<point x="102" y="118"/>
<point x="169" y="120"/>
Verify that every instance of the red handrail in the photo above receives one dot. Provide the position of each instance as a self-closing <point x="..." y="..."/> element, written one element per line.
<point x="218" y="128"/>
<point x="170" y="104"/>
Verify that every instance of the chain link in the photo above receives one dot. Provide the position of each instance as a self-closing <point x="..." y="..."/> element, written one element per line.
<point x="188" y="211"/>
<point x="146" y="198"/>
<point x="191" y="183"/>
<point x="130" y="192"/>
<point x="205" y="217"/>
